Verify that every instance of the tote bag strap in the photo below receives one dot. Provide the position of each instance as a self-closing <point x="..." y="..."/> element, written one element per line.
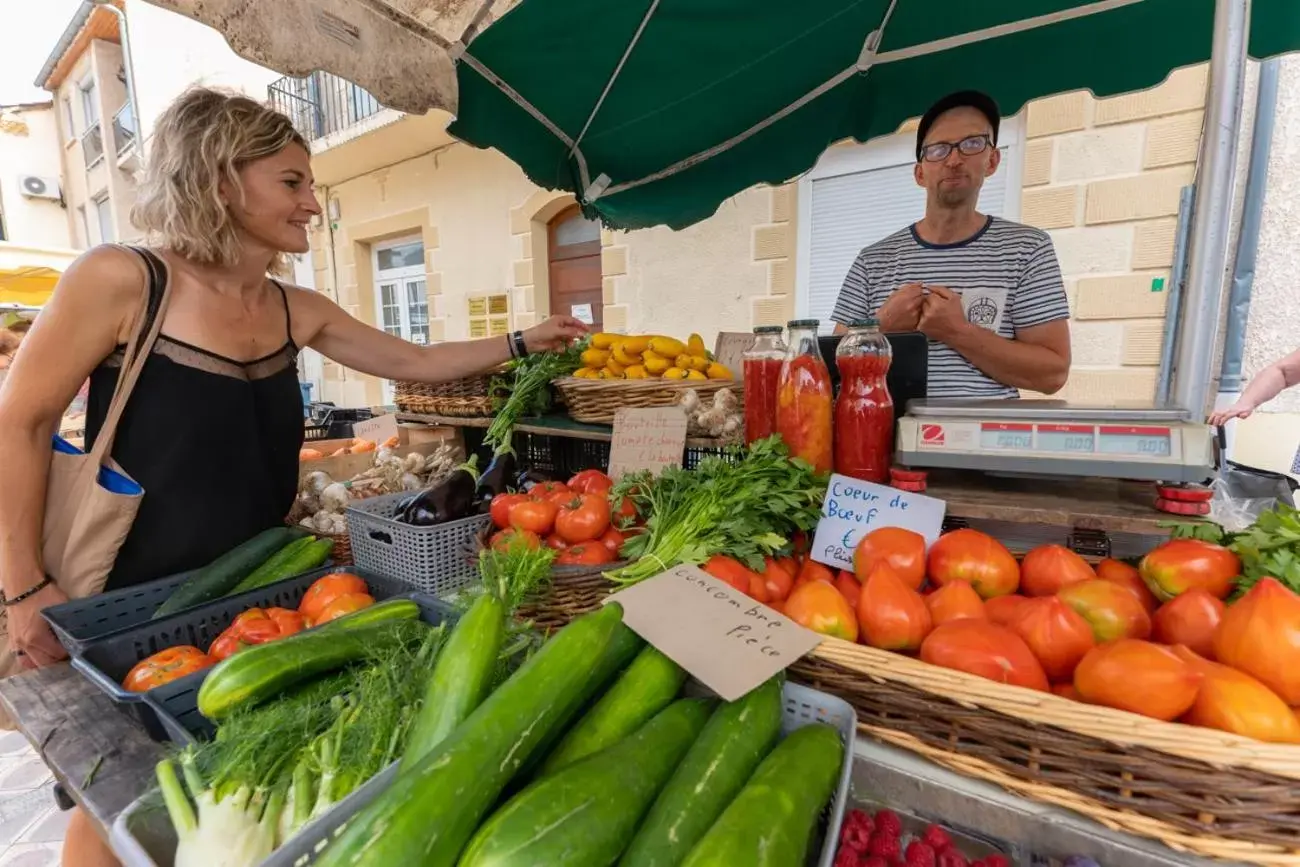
<point x="136" y="353"/>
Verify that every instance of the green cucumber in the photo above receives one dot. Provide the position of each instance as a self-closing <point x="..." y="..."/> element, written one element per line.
<point x="648" y="686"/>
<point x="770" y="823"/>
<point x="264" y="671"/>
<point x="737" y="737"/>
<point x="388" y="611"/>
<point x="462" y="677"/>
<point x="583" y="815"/>
<point x="428" y="813"/>
<point x="218" y="577"/>
<point x="260" y="576"/>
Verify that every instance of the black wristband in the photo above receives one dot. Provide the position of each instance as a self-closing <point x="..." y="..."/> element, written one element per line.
<point x="520" y="347"/>
<point x="27" y="594"/>
<point x="510" y="345"/>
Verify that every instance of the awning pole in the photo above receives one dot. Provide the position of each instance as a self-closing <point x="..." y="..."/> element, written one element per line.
<point x="1203" y="306"/>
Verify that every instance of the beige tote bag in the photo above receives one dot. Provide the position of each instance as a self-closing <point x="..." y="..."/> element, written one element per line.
<point x="90" y="501"/>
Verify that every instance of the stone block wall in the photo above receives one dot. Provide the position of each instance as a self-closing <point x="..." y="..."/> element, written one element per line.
<point x="1103" y="177"/>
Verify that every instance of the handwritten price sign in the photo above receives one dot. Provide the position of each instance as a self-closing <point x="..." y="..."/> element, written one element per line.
<point x="647" y="439"/>
<point x="853" y="508"/>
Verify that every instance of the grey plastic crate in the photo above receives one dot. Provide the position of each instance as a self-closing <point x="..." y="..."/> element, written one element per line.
<point x="431" y="559"/>
<point x="142" y="836"/>
<point x="78" y="622"/>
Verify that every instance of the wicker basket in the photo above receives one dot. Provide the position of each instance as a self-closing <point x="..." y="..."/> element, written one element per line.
<point x="595" y="401"/>
<point x="341" y="553"/>
<point x="1196" y="790"/>
<point x="469" y="397"/>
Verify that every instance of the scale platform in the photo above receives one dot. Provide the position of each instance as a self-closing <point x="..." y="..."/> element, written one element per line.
<point x="1056" y="438"/>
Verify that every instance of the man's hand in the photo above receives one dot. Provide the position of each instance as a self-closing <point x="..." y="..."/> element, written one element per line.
<point x="902" y="310"/>
<point x="553" y="334"/>
<point x="942" y="315"/>
<point x="30" y="634"/>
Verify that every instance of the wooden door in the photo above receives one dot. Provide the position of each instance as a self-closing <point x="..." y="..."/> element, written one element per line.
<point x="573" y="252"/>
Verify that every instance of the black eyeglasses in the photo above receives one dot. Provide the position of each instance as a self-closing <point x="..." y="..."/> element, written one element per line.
<point x="967" y="147"/>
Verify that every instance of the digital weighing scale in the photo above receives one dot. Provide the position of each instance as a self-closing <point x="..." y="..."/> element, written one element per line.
<point x="1056" y="438"/>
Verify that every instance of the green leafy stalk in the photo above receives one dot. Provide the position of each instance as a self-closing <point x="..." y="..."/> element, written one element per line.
<point x="527" y="392"/>
<point x="745" y="505"/>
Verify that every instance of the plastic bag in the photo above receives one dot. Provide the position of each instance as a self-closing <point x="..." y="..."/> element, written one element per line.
<point x="1241" y="493"/>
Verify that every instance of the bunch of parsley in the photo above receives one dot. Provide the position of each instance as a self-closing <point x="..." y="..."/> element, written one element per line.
<point x="524" y="392"/>
<point x="745" y="504"/>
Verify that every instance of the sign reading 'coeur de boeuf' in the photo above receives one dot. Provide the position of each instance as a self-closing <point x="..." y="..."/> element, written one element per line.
<point x="854" y="508"/>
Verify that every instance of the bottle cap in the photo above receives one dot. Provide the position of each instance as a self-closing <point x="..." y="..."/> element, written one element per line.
<point x="769" y="329"/>
<point x="869" y="322"/>
<point x="804" y="323"/>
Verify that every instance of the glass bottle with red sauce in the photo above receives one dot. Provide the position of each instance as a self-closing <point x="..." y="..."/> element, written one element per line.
<point x="762" y="369"/>
<point x="804" y="403"/>
<point x="864" y="411"/>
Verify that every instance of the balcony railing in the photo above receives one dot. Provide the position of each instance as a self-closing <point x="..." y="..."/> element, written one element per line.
<point x="124" y="128"/>
<point x="321" y="103"/>
<point x="92" y="145"/>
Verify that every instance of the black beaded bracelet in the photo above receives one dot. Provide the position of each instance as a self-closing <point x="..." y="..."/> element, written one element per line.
<point x="520" y="347"/>
<point x="27" y="594"/>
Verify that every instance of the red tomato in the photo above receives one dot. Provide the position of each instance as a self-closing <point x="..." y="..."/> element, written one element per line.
<point x="1003" y="610"/>
<point x="758" y="588"/>
<point x="555" y="543"/>
<point x="255" y="627"/>
<point x="1056" y="633"/>
<point x="1121" y="573"/>
<point x="811" y="570"/>
<point x="891" y="615"/>
<point x="978" y="559"/>
<point x="1191" y="618"/>
<point x="289" y="622"/>
<point x="850" y="588"/>
<point x="1260" y="635"/>
<point x="544" y="490"/>
<point x="1048" y="568"/>
<point x="226" y="645"/>
<point x="730" y="571"/>
<point x="1139" y="677"/>
<point x="1111" y="610"/>
<point x="955" y="601"/>
<point x="818" y="606"/>
<point x="1181" y="564"/>
<point x="613" y="540"/>
<point x="534" y="515"/>
<point x="1066" y="690"/>
<point x="343" y="605"/>
<point x="986" y="650"/>
<point x="800" y="542"/>
<point x="625" y="513"/>
<point x="326" y="589"/>
<point x="777" y="582"/>
<point x="902" y="549"/>
<point x="501" y="506"/>
<point x="166" y="666"/>
<point x="587" y="554"/>
<point x="1233" y="701"/>
<point x="791" y="565"/>
<point x="583" y="518"/>
<point x="502" y="541"/>
<point x="591" y="482"/>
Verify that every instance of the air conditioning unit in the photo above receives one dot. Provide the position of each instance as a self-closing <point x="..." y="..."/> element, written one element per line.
<point x="35" y="187"/>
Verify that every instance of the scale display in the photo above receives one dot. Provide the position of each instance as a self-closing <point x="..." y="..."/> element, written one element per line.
<point x="1067" y="439"/>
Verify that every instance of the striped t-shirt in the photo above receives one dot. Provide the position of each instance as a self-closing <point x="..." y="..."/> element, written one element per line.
<point x="1007" y="276"/>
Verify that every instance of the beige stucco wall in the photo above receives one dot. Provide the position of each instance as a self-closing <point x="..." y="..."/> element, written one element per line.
<point x="29" y="145"/>
<point x="1104" y="178"/>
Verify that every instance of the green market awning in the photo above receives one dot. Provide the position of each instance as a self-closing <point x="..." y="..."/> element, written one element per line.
<point x="656" y="111"/>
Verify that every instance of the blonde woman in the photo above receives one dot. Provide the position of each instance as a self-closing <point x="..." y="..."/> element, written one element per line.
<point x="213" y="427"/>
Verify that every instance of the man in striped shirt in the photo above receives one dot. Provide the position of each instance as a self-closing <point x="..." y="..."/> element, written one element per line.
<point x="987" y="292"/>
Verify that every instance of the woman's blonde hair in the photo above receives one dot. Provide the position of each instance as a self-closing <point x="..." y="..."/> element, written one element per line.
<point x="204" y="137"/>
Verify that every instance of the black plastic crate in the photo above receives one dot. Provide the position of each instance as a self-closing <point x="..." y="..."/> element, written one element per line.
<point x="538" y="452"/>
<point x="80" y="621"/>
<point x="582" y="455"/>
<point x="176" y="703"/>
<point x="107" y="661"/>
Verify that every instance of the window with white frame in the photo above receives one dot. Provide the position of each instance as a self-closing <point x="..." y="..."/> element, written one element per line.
<point x="104" y="219"/>
<point x="89" y="103"/>
<point x="858" y="194"/>
<point x="69" y="122"/>
<point x="401" y="296"/>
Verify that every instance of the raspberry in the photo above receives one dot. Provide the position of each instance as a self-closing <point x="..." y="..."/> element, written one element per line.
<point x="884" y="845"/>
<point x="950" y="857"/>
<point x="859" y="819"/>
<point x="887" y="822"/>
<point x="855" y="837"/>
<point x="920" y="854"/>
<point x="847" y="858"/>
<point x="937" y="838"/>
<point x="997" y="861"/>
<point x="874" y="861"/>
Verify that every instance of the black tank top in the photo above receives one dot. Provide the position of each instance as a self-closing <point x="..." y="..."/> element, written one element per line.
<point x="214" y="443"/>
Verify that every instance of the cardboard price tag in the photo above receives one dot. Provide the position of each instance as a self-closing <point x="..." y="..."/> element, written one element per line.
<point x="729" y="349"/>
<point x="854" y="508"/>
<point x="647" y="439"/>
<point x="378" y="430"/>
<point x="722" y="637"/>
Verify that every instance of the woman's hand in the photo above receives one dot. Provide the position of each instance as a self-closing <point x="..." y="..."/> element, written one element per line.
<point x="553" y="334"/>
<point x="1240" y="409"/>
<point x="30" y="634"/>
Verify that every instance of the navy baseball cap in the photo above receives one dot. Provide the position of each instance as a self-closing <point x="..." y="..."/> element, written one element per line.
<point x="981" y="102"/>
